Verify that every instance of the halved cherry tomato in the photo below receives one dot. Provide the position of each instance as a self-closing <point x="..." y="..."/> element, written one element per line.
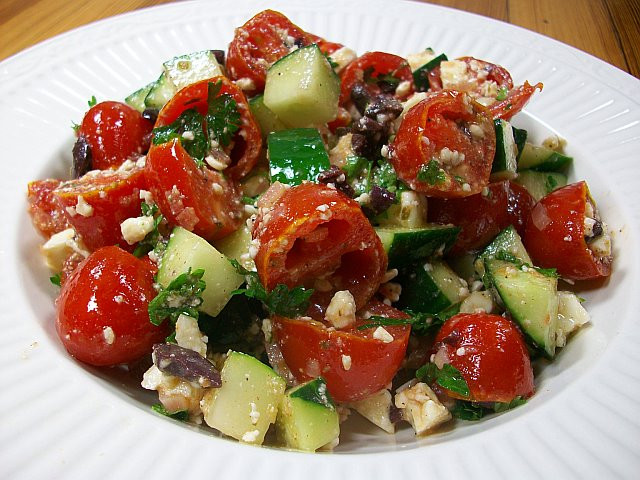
<point x="371" y="69"/>
<point x="261" y="41"/>
<point x="46" y="214"/>
<point x="555" y="234"/>
<point x="353" y="363"/>
<point x="200" y="200"/>
<point x="246" y="144"/>
<point x="491" y="355"/>
<point x="102" y="316"/>
<point x="314" y="232"/>
<point x="516" y="99"/>
<point x="445" y="145"/>
<point x="115" y="132"/>
<point x="98" y="202"/>
<point x="326" y="46"/>
<point x="482" y="216"/>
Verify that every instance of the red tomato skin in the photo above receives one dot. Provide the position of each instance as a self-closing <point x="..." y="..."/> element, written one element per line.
<point x="47" y="215"/>
<point x="200" y="200"/>
<point x="247" y="141"/>
<point x="114" y="196"/>
<point x="516" y="99"/>
<point x="311" y="349"/>
<point x="495" y="73"/>
<point x="258" y="44"/>
<point x="89" y="302"/>
<point x="299" y="243"/>
<point x="382" y="64"/>
<point x="437" y="118"/>
<point x="115" y="132"/>
<point x="554" y="235"/>
<point x="482" y="217"/>
<point x="490" y="353"/>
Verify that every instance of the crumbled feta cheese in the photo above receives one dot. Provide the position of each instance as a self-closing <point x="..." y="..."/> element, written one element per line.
<point x="188" y="135"/>
<point x="245" y="84"/>
<point x="466" y="187"/>
<point x="460" y="351"/>
<point x="454" y="75"/>
<point x="109" y="336"/>
<point x="389" y="275"/>
<point x="477" y="302"/>
<point x="342" y="57"/>
<point x="376" y="408"/>
<point x="146" y="196"/>
<point x="60" y="246"/>
<point x="403" y="88"/>
<point x="417" y="60"/>
<point x="476" y="131"/>
<point x="346" y="362"/>
<point x="384" y="151"/>
<point x="341" y="311"/>
<point x="83" y="208"/>
<point x="391" y="291"/>
<point x="135" y="229"/>
<point x="118" y="299"/>
<point x="381" y="334"/>
<point x="254" y="414"/>
<point x="251" y="436"/>
<point x="420" y="406"/>
<point x="601" y="246"/>
<point x="215" y="163"/>
<point x="267" y="330"/>
<point x="188" y="335"/>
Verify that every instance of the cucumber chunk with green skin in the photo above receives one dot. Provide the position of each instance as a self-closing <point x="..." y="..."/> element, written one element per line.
<point x="421" y="75"/>
<point x="504" y="165"/>
<point x="430" y="288"/>
<point x="136" y="99"/>
<point x="247" y="402"/>
<point x="296" y="155"/>
<point x="543" y="159"/>
<point x="307" y="417"/>
<point x="520" y="136"/>
<point x="236" y="246"/>
<point x="193" y="67"/>
<point x="187" y="250"/>
<point x="539" y="184"/>
<point x="507" y="241"/>
<point x="160" y="93"/>
<point x="531" y="299"/>
<point x="406" y="246"/>
<point x="302" y="89"/>
<point x="267" y="120"/>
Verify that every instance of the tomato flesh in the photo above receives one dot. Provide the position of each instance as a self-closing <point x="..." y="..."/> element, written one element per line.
<point x="490" y="353"/>
<point x="310" y="349"/>
<point x="555" y="235"/>
<point x="46" y="213"/>
<point x="445" y="146"/>
<point x="102" y="316"/>
<point x="115" y="132"/>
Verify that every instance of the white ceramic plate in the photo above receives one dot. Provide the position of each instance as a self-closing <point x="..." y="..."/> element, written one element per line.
<point x="59" y="419"/>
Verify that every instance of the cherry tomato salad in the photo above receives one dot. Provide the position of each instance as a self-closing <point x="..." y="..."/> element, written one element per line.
<point x="286" y="232"/>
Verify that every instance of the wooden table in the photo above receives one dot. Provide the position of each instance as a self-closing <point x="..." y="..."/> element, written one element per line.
<point x="608" y="29"/>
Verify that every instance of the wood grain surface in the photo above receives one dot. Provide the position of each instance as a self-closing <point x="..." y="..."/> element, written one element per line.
<point x="608" y="29"/>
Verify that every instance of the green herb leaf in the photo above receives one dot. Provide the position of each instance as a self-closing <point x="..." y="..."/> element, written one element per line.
<point x="75" y="126"/>
<point x="249" y="200"/>
<point x="467" y="411"/>
<point x="92" y="102"/>
<point x="280" y="301"/>
<point x="152" y="238"/>
<point x="503" y="407"/>
<point x="55" y="279"/>
<point x="330" y="60"/>
<point x="182" y="296"/>
<point x="223" y="117"/>
<point x="421" y="323"/>
<point x="181" y="415"/>
<point x="448" y="377"/>
<point x="431" y="173"/>
<point x="502" y="94"/>
<point x="196" y="143"/>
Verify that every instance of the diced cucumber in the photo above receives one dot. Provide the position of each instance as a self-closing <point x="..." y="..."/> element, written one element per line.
<point x="186" y="249"/>
<point x="530" y="298"/>
<point x="406" y="246"/>
<point x="421" y="75"/>
<point x="267" y="120"/>
<point x="504" y="165"/>
<point x="236" y="246"/>
<point x="307" y="417"/>
<point x="507" y="241"/>
<point x="520" y="137"/>
<point x="539" y="184"/>
<point x="430" y="288"/>
<point x="542" y="159"/>
<point x="296" y="155"/>
<point x="410" y="212"/>
<point x="302" y="89"/>
<point x="160" y="93"/>
<point x="247" y="402"/>
<point x="136" y="99"/>
<point x="193" y="67"/>
<point x="464" y="266"/>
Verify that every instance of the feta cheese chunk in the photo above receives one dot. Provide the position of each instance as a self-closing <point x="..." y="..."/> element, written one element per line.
<point x="376" y="408"/>
<point x="135" y="229"/>
<point x="342" y="57"/>
<point x="341" y="312"/>
<point x="420" y="406"/>
<point x="60" y="246"/>
<point x="188" y="335"/>
<point x="454" y="74"/>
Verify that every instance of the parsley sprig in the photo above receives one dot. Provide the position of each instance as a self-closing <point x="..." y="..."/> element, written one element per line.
<point x="182" y="296"/>
<point x="56" y="279"/>
<point x="431" y="173"/>
<point x="448" y="377"/>
<point x="223" y="117"/>
<point x="421" y="323"/>
<point x="181" y="415"/>
<point x="189" y="121"/>
<point x="281" y="300"/>
<point x="472" y="411"/>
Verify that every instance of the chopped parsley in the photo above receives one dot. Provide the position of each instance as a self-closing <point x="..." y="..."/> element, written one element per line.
<point x="431" y="173"/>
<point x="92" y="102"/>
<point x="448" y="377"/>
<point x="188" y="128"/>
<point x="467" y="411"/>
<point x="182" y="296"/>
<point x="503" y="407"/>
<point x="182" y="415"/>
<point x="421" y="323"/>
<point x="330" y="60"/>
<point x="151" y="240"/>
<point x="280" y="301"/>
<point x="55" y="279"/>
<point x="387" y="78"/>
<point x="223" y="117"/>
<point x="502" y="94"/>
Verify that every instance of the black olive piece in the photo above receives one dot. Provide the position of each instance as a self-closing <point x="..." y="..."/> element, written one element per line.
<point x="150" y="114"/>
<point x="380" y="199"/>
<point x="597" y="229"/>
<point x="82" y="159"/>
<point x="360" y="97"/>
<point x="383" y="104"/>
<point x="186" y="364"/>
<point x="387" y="87"/>
<point x="338" y="178"/>
<point x="219" y="54"/>
<point x="395" y="415"/>
<point x="359" y="144"/>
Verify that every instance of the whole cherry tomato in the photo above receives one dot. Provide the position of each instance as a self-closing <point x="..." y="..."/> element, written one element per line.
<point x="102" y="316"/>
<point x="375" y="70"/>
<point x="46" y="213"/>
<point x="555" y="235"/>
<point x="256" y="45"/>
<point x="198" y="199"/>
<point x="445" y="145"/>
<point x="246" y="143"/>
<point x="482" y="216"/>
<point x="115" y="132"/>
<point x="491" y="355"/>
<point x="97" y="203"/>
<point x="316" y="236"/>
<point x="353" y="363"/>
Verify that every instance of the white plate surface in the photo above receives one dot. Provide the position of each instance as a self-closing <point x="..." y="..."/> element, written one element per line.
<point x="61" y="420"/>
